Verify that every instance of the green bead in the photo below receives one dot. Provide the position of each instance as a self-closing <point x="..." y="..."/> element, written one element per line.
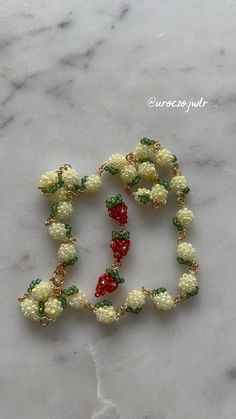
<point x="104" y="303"/>
<point x="71" y="262"/>
<point x="68" y="230"/>
<point x="111" y="170"/>
<point x="147" y="141"/>
<point x="121" y="235"/>
<point x="174" y="159"/>
<point x="192" y="293"/>
<point x="177" y="224"/>
<point x="134" y="310"/>
<point x="159" y="290"/>
<point x="134" y="181"/>
<point x="83" y="181"/>
<point x="144" y="198"/>
<point x="164" y="183"/>
<point x="186" y="190"/>
<point x="54" y="208"/>
<point x="114" y="201"/>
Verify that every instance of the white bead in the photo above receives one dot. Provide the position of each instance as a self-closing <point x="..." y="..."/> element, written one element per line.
<point x="93" y="183"/>
<point x="57" y="231"/>
<point x="60" y="195"/>
<point x="128" y="173"/>
<point x="138" y="194"/>
<point x="163" y="301"/>
<point x="53" y="308"/>
<point x="135" y="299"/>
<point x="48" y="178"/>
<point x="29" y="308"/>
<point x="64" y="210"/>
<point x="70" y="178"/>
<point x="105" y="314"/>
<point x="159" y="194"/>
<point x="187" y="283"/>
<point x="186" y="251"/>
<point x="185" y="217"/>
<point x="164" y="158"/>
<point x="78" y="300"/>
<point x="42" y="291"/>
<point x="117" y="161"/>
<point x="143" y="151"/>
<point x="178" y="183"/>
<point x="66" y="252"/>
<point x="147" y="171"/>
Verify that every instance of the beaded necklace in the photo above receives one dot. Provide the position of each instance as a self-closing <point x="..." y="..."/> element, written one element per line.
<point x="45" y="301"/>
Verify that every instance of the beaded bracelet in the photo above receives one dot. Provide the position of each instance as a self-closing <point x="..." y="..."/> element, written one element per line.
<point x="45" y="301"/>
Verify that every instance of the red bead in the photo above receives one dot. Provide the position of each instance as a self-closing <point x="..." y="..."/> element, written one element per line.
<point x="120" y="248"/>
<point x="119" y="213"/>
<point x="105" y="284"/>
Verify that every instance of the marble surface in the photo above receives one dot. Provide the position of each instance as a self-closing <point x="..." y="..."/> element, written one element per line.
<point x="75" y="78"/>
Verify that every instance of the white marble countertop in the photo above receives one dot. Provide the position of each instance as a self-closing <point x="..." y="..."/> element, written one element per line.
<point x="75" y="78"/>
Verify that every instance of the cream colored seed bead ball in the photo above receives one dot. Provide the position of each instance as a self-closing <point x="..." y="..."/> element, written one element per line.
<point x="164" y="158"/>
<point x="48" y="178"/>
<point x="78" y="300"/>
<point x="135" y="299"/>
<point x="187" y="283"/>
<point x="29" y="308"/>
<point x="185" y="217"/>
<point x="42" y="291"/>
<point x="117" y="161"/>
<point x="141" y="191"/>
<point x="186" y="251"/>
<point x="178" y="183"/>
<point x="159" y="194"/>
<point x="53" y="308"/>
<point x="147" y="171"/>
<point x="57" y="231"/>
<point x="143" y="151"/>
<point x="128" y="173"/>
<point x="105" y="314"/>
<point x="60" y="195"/>
<point x="93" y="183"/>
<point x="70" y="178"/>
<point x="66" y="252"/>
<point x="64" y="210"/>
<point x="163" y="301"/>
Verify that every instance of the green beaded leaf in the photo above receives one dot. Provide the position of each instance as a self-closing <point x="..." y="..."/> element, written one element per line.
<point x="134" y="310"/>
<point x="71" y="290"/>
<point x="111" y="169"/>
<point x="71" y="262"/>
<point x="54" y="209"/>
<point x="56" y="185"/>
<point x="121" y="235"/>
<point x="104" y="303"/>
<point x="41" y="310"/>
<point x="165" y="184"/>
<point x="184" y="262"/>
<point x="186" y="190"/>
<point x="144" y="198"/>
<point x="68" y="230"/>
<point x="33" y="284"/>
<point x="115" y="275"/>
<point x="174" y="159"/>
<point x="114" y="201"/>
<point x="177" y="224"/>
<point x="159" y="290"/>
<point x="134" y="181"/>
<point x="82" y="183"/>
<point x="63" y="301"/>
<point x="147" y="141"/>
<point x="192" y="293"/>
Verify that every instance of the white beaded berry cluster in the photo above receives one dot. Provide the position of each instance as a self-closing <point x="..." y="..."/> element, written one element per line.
<point x="44" y="301"/>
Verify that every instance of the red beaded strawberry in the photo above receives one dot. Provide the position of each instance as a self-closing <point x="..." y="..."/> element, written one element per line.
<point x="120" y="244"/>
<point x="117" y="209"/>
<point x="108" y="282"/>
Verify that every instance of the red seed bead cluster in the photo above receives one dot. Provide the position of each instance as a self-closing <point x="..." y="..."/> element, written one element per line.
<point x="120" y="244"/>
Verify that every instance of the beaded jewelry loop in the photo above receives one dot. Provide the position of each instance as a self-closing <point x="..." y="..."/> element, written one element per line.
<point x="44" y="302"/>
